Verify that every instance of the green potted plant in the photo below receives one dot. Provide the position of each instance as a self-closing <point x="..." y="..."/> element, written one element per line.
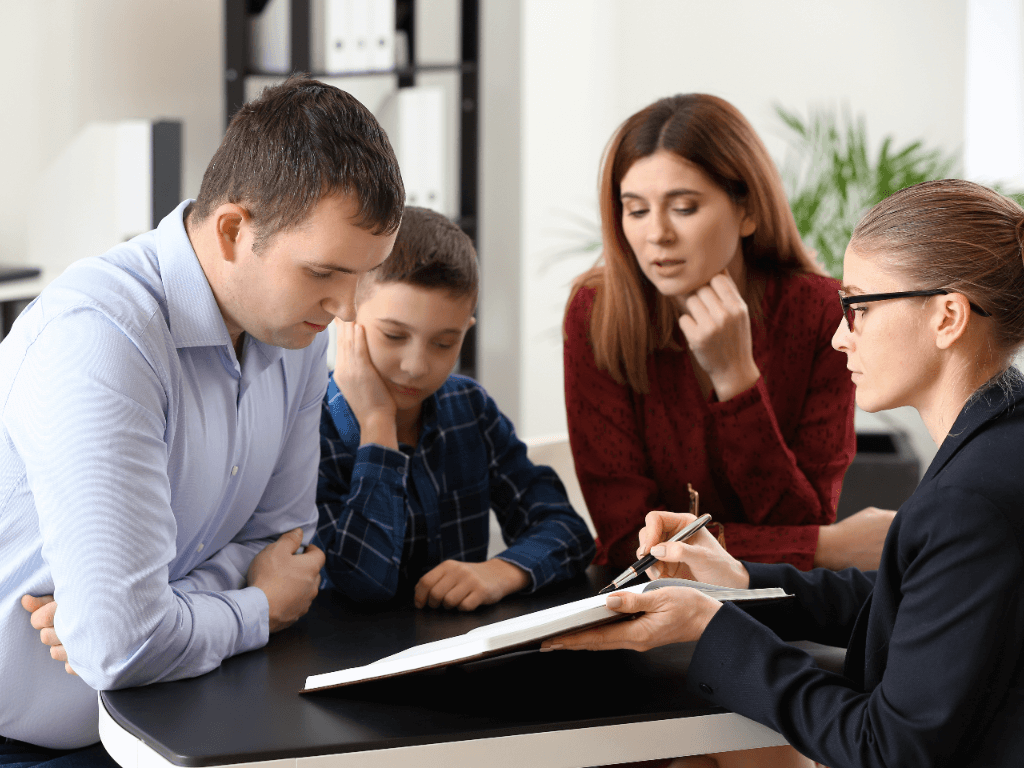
<point x="832" y="178"/>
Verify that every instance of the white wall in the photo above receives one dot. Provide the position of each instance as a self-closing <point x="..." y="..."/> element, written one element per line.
<point x="588" y="64"/>
<point x="994" y="133"/>
<point x="69" y="62"/>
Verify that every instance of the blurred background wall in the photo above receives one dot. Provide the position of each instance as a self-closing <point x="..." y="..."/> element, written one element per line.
<point x="557" y="77"/>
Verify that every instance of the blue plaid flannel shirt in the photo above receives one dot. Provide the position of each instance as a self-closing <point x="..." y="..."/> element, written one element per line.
<point x="432" y="504"/>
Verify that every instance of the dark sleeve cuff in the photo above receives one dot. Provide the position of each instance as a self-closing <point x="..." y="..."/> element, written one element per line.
<point x="380" y="464"/>
<point x="764" y="575"/>
<point x="740" y="664"/>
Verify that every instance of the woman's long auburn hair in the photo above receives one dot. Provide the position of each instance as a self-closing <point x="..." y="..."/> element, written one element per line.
<point x="630" y="319"/>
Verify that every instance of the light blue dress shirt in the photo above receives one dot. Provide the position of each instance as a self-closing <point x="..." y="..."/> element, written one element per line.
<point x="141" y="470"/>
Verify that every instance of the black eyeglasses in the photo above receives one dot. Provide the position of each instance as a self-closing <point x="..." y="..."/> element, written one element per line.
<point x="850" y="312"/>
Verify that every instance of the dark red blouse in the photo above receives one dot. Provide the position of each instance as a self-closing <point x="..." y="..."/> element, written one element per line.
<point x="769" y="463"/>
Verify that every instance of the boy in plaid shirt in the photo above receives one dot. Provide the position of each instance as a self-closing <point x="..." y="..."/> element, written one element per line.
<point x="413" y="457"/>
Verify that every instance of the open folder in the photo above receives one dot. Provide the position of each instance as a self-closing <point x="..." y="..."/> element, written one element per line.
<point x="519" y="634"/>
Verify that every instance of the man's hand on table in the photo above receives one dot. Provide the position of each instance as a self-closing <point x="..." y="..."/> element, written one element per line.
<point x="289" y="581"/>
<point x="43" y="609"/>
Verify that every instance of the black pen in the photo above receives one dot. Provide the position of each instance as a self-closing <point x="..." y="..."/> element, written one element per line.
<point x="648" y="560"/>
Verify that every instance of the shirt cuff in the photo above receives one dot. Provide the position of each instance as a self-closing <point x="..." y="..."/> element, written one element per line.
<point x="740" y="402"/>
<point x="255" y="617"/>
<point x="763" y="575"/>
<point x="380" y="463"/>
<point x="712" y="674"/>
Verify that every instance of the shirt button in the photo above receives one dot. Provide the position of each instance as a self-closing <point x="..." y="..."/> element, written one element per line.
<point x="200" y="548"/>
<point x="706" y="689"/>
<point x="234" y="470"/>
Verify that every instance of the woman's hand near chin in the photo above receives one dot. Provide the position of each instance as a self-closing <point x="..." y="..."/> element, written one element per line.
<point x="716" y="324"/>
<point x="700" y="557"/>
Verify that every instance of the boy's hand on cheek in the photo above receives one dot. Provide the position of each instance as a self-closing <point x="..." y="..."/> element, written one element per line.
<point x="467" y="586"/>
<point x="716" y="324"/>
<point x="363" y="387"/>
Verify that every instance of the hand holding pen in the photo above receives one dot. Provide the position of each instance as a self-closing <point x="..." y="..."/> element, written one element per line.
<point x="648" y="560"/>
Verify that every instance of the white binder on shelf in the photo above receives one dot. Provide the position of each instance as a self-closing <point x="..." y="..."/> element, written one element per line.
<point x="330" y="44"/>
<point x="359" y="31"/>
<point x="381" y="37"/>
<point x="352" y="35"/>
<point x="414" y="119"/>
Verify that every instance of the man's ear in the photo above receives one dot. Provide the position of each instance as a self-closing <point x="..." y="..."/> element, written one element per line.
<point x="950" y="319"/>
<point x="230" y="222"/>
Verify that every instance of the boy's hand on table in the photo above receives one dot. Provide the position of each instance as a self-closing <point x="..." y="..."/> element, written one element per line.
<point x="467" y="586"/>
<point x="289" y="581"/>
<point x="364" y="389"/>
<point x="43" y="609"/>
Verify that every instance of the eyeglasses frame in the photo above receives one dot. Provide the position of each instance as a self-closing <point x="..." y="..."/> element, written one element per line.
<point x="845" y="301"/>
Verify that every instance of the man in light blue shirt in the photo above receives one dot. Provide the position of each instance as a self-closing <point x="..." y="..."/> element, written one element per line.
<point x="160" y="407"/>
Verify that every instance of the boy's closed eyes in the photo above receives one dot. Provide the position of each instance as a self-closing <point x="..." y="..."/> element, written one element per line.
<point x="401" y="348"/>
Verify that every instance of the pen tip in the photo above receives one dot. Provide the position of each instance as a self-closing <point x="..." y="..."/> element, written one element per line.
<point x="606" y="590"/>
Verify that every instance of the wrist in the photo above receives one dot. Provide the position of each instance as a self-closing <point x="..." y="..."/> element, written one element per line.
<point x="735" y="382"/>
<point x="379" y="428"/>
<point x="742" y="580"/>
<point x="713" y="607"/>
<point x="509" y="578"/>
<point x="824" y="549"/>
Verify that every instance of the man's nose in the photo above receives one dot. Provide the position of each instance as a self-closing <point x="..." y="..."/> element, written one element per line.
<point x="342" y="302"/>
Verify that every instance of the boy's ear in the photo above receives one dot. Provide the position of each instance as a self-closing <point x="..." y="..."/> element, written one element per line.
<point x="471" y="323"/>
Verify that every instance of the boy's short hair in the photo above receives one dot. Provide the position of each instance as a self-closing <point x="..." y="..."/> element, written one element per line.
<point x="430" y="252"/>
<point x="299" y="142"/>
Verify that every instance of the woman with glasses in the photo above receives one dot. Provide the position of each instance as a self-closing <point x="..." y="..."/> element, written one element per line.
<point x="934" y="671"/>
<point x="697" y="351"/>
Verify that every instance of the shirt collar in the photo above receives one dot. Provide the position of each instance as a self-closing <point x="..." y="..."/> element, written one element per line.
<point x="194" y="317"/>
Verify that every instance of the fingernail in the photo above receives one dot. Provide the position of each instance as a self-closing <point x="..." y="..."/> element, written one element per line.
<point x="613" y="601"/>
<point x="658" y="551"/>
<point x="554" y="647"/>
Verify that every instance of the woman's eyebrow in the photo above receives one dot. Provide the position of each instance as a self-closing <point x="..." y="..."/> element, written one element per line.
<point x="670" y="193"/>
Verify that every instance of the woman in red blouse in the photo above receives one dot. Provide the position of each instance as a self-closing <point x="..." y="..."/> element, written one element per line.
<point x="698" y="350"/>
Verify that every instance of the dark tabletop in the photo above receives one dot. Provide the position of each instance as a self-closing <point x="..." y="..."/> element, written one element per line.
<point x="250" y="709"/>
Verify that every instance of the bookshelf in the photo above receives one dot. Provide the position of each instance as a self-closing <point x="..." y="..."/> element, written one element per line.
<point x="237" y="69"/>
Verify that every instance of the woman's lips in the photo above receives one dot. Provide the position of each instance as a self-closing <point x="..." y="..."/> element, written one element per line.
<point x="668" y="265"/>
<point x="315" y="326"/>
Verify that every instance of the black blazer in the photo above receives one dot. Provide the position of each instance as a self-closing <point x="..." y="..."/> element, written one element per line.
<point x="934" y="669"/>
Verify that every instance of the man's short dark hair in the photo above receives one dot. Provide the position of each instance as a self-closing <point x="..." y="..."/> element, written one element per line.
<point x="299" y="142"/>
<point x="431" y="252"/>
